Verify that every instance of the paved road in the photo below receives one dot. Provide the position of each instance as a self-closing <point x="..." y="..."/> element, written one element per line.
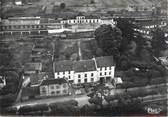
<point x="82" y="99"/>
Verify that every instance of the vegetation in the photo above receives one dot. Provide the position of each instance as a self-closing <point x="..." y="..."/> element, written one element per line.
<point x="64" y="108"/>
<point x="109" y="40"/>
<point x="62" y="5"/>
<point x="158" y="42"/>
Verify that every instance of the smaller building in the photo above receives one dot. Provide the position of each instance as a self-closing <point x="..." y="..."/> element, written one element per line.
<point x="106" y="67"/>
<point x="54" y="87"/>
<point x="64" y="69"/>
<point x="34" y="67"/>
<point x="85" y="72"/>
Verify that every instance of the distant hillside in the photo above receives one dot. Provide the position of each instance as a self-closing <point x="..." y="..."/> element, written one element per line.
<point x="103" y="3"/>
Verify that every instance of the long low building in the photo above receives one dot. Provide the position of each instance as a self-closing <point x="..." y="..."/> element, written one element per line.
<point x="86" y="71"/>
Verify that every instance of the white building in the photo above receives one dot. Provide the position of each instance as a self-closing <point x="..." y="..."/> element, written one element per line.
<point x="81" y="20"/>
<point x="89" y="20"/>
<point x="86" y="71"/>
<point x="105" y="67"/>
<point x="64" y="69"/>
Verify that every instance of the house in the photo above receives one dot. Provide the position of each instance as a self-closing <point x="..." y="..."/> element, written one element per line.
<point x="64" y="69"/>
<point x="54" y="87"/>
<point x="33" y="67"/>
<point x="86" y="71"/>
<point x="81" y="20"/>
<point x="105" y="67"/>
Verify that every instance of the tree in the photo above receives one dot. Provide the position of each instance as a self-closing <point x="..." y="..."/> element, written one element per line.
<point x="62" y="5"/>
<point x="127" y="28"/>
<point x="158" y="41"/>
<point x="5" y="55"/>
<point x="109" y="39"/>
<point x="92" y="2"/>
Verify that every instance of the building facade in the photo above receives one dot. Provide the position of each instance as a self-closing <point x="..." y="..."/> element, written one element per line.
<point x="54" y="87"/>
<point x="81" y="20"/>
<point x="86" y="71"/>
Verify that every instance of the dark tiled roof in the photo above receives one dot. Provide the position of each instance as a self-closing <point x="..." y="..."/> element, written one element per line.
<point x="53" y="81"/>
<point x="36" y="78"/>
<point x="30" y="91"/>
<point x="84" y="66"/>
<point x="33" y="66"/>
<point x="62" y="66"/>
<point x="105" y="61"/>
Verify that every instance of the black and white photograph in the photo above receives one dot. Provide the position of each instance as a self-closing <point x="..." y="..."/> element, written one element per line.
<point x="84" y="58"/>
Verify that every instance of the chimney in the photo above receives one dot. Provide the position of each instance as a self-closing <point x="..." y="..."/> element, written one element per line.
<point x="94" y="59"/>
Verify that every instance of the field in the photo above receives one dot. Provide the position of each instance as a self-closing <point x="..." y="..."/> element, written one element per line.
<point x="102" y="3"/>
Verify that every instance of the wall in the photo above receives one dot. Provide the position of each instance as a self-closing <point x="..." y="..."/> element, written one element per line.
<point x="106" y="72"/>
<point x="52" y="90"/>
<point x="66" y="74"/>
<point x="83" y="77"/>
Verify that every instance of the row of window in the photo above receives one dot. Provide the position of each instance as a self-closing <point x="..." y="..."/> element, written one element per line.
<point x="23" y="26"/>
<point x="44" y="91"/>
<point x="85" y="80"/>
<point x="58" y="92"/>
<point x="106" y="68"/>
<point x="79" y="76"/>
<point x="105" y="73"/>
<point x="82" y="21"/>
<point x="58" y="86"/>
<point x="92" y="74"/>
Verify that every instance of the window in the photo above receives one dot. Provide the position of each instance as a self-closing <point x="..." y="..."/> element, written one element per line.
<point x="57" y="86"/>
<point x="65" y="91"/>
<point x="105" y="68"/>
<point x="92" y="79"/>
<point x="109" y="73"/>
<point x="57" y="92"/>
<point x="85" y="80"/>
<point x="85" y="75"/>
<point x="100" y="74"/>
<point x="104" y="73"/>
<point x="92" y="74"/>
<point x="43" y="90"/>
<point x="79" y="76"/>
<point x="52" y="93"/>
<point x="51" y="87"/>
<point x="64" y="85"/>
<point x="79" y="80"/>
<point x="71" y="81"/>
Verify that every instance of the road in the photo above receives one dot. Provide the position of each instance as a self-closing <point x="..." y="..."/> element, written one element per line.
<point x="82" y="99"/>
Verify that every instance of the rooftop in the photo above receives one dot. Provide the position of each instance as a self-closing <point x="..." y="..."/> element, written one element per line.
<point x="105" y="61"/>
<point x="65" y="65"/>
<point x="53" y="81"/>
<point x="33" y="66"/>
<point x="84" y="66"/>
<point x="36" y="79"/>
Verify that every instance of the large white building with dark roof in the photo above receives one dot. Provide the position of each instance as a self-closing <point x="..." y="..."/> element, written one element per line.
<point x="86" y="71"/>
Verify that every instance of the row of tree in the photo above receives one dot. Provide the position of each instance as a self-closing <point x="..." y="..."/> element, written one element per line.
<point x="127" y="45"/>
